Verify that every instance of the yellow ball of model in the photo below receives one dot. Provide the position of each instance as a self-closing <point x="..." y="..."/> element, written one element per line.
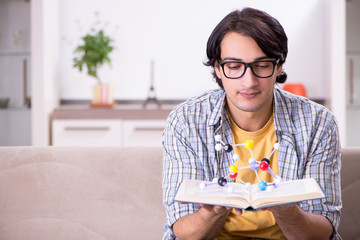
<point x="249" y="144"/>
<point x="233" y="169"/>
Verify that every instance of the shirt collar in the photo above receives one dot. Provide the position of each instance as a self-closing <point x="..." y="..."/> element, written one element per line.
<point x="218" y="110"/>
<point x="282" y="116"/>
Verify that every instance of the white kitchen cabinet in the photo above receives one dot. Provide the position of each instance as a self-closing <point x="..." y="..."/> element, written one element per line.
<point x="86" y="132"/>
<point x="15" y="127"/>
<point x="102" y="132"/>
<point x="143" y="132"/>
<point x="82" y="126"/>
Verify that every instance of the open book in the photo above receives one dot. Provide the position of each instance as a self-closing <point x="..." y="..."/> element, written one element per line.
<point x="248" y="198"/>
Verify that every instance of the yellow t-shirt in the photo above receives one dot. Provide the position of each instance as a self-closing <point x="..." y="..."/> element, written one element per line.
<point x="260" y="224"/>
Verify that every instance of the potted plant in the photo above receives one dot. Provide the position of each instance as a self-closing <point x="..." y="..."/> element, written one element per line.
<point x="94" y="52"/>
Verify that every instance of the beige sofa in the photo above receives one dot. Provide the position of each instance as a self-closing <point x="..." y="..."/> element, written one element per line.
<point x="77" y="193"/>
<point x="350" y="185"/>
<point x="58" y="193"/>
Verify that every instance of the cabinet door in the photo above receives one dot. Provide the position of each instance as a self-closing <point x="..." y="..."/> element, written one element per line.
<point x="147" y="133"/>
<point x="86" y="133"/>
<point x="15" y="125"/>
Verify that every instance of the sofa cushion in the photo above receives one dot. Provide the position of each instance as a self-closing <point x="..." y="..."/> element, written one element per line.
<point x="107" y="193"/>
<point x="80" y="193"/>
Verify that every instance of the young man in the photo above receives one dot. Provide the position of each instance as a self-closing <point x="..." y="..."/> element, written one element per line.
<point x="247" y="51"/>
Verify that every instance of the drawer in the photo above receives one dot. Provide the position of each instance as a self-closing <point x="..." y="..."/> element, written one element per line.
<point x="143" y="132"/>
<point x="86" y="133"/>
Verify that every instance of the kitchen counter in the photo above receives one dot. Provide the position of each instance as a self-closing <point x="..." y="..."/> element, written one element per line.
<point x="117" y="112"/>
<point x="123" y="125"/>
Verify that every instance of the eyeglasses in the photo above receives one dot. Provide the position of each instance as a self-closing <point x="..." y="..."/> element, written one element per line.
<point x="236" y="69"/>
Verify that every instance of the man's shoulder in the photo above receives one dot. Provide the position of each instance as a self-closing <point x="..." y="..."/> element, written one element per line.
<point x="294" y="103"/>
<point x="290" y="107"/>
<point x="204" y="103"/>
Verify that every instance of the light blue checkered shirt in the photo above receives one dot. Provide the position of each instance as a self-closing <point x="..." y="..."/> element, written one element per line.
<point x="309" y="147"/>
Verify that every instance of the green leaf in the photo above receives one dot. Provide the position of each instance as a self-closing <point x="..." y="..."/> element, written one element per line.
<point x="94" y="52"/>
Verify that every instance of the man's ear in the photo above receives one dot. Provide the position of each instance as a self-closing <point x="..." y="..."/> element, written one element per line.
<point x="279" y="70"/>
<point x="217" y="69"/>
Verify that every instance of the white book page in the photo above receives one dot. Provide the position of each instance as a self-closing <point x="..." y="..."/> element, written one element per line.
<point x="232" y="190"/>
<point x="288" y="191"/>
<point x="192" y="188"/>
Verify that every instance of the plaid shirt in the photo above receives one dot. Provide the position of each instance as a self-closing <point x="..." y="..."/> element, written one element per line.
<point x="309" y="147"/>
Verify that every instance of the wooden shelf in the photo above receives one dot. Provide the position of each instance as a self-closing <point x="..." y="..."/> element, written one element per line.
<point x="14" y="54"/>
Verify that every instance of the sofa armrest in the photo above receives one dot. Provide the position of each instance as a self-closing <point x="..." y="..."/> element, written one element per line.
<point x="350" y="186"/>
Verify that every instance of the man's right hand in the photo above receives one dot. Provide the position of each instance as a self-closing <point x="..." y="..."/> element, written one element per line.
<point x="206" y="223"/>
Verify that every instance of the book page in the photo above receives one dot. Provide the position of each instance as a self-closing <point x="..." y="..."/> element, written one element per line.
<point x="287" y="192"/>
<point x="213" y="194"/>
<point x="237" y="190"/>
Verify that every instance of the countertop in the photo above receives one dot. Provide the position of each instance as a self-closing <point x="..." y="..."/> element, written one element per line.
<point x="119" y="111"/>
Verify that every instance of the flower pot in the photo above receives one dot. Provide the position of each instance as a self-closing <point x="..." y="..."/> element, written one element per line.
<point x="103" y="96"/>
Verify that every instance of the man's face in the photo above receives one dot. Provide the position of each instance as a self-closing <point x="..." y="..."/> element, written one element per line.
<point x="248" y="93"/>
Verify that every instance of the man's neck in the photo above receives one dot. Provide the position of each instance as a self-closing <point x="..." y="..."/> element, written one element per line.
<point x="250" y="121"/>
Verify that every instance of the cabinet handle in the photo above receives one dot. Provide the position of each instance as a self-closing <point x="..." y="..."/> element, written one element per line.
<point x="148" y="129"/>
<point x="87" y="128"/>
<point x="351" y="82"/>
<point x="24" y="81"/>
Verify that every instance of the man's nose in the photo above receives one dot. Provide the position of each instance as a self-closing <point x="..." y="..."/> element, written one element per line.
<point x="249" y="79"/>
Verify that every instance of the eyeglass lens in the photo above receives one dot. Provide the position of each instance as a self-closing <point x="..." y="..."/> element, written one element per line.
<point x="260" y="69"/>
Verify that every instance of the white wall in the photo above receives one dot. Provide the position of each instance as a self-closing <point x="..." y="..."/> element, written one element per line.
<point x="174" y="35"/>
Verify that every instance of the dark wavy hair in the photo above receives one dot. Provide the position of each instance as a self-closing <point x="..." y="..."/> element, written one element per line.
<point x="263" y="28"/>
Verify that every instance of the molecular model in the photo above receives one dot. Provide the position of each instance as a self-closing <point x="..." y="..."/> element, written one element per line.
<point x="263" y="165"/>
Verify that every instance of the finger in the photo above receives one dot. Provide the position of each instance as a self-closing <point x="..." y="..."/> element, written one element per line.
<point x="238" y="211"/>
<point x="219" y="207"/>
<point x="209" y="206"/>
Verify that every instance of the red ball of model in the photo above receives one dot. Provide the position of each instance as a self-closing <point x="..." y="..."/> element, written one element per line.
<point x="264" y="165"/>
<point x="232" y="175"/>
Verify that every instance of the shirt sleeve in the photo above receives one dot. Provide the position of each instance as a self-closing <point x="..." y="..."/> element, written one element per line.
<point x="324" y="165"/>
<point x="179" y="163"/>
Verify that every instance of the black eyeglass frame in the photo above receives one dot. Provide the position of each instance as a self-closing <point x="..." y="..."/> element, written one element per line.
<point x="250" y="64"/>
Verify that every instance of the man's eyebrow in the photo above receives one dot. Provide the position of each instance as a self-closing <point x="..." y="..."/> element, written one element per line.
<point x="240" y="60"/>
<point x="233" y="59"/>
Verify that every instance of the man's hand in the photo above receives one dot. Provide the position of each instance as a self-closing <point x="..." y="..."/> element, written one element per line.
<point x="298" y="224"/>
<point x="283" y="210"/>
<point x="215" y="209"/>
<point x="218" y="209"/>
